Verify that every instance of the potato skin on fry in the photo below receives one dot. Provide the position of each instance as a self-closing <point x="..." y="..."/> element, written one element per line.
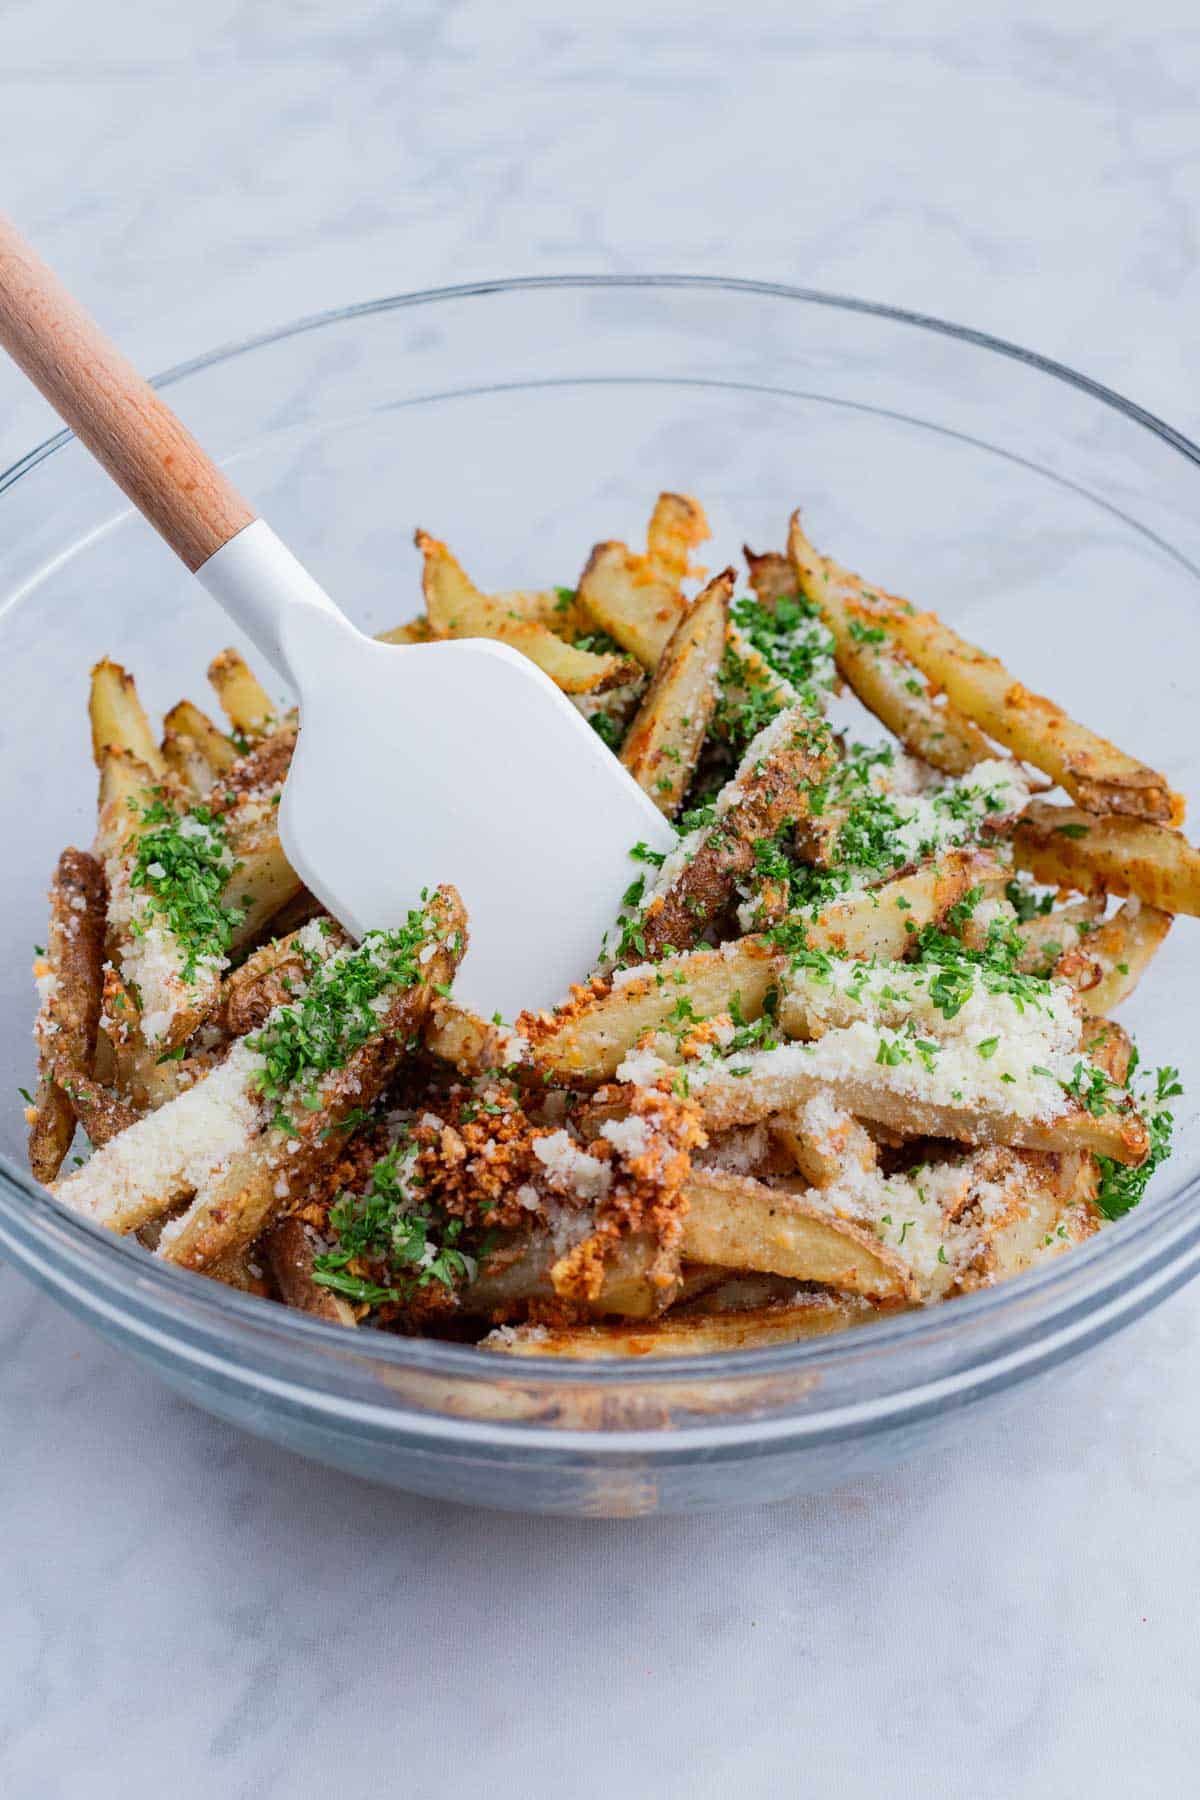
<point x="70" y="1016"/>
<point x="664" y="740"/>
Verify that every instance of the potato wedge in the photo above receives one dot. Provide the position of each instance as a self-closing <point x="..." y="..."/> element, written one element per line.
<point x="665" y="738"/>
<point x="879" y="1095"/>
<point x="885" y="680"/>
<point x="637" y="599"/>
<point x="698" y="882"/>
<point x="1099" y="776"/>
<point x="70" y="980"/>
<point x="195" y="749"/>
<point x="771" y="576"/>
<point x="1063" y="846"/>
<point x="119" y="719"/>
<point x="1119" y="951"/>
<point x="736" y="1222"/>
<point x="586" y="1039"/>
<point x="457" y="609"/>
<point x="289" y="1251"/>
<point x="244" y="700"/>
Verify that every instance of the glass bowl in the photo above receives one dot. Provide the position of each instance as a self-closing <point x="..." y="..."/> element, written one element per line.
<point x="523" y="421"/>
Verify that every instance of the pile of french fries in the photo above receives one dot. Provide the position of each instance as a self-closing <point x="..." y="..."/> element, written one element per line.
<point x="847" y="1050"/>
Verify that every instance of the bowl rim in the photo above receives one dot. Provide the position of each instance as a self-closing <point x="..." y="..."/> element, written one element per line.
<point x="1070" y="1291"/>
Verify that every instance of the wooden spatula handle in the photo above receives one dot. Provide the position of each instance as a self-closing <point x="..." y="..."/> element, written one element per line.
<point x="124" y="423"/>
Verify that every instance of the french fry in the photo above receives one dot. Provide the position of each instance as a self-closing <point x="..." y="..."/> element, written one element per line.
<point x="1099" y="776"/>
<point x="290" y="1252"/>
<point x="665" y="738"/>
<point x="637" y="599"/>
<point x="739" y="1223"/>
<point x="1109" y="1046"/>
<point x="823" y="1147"/>
<point x="521" y="1269"/>
<point x="771" y="576"/>
<point x="588" y="1037"/>
<point x="885" y="680"/>
<point x="413" y="631"/>
<point x="70" y="974"/>
<point x="457" y="609"/>
<point x="1120" y="951"/>
<point x="231" y="1210"/>
<point x="770" y="789"/>
<point x="119" y="719"/>
<point x="1048" y="937"/>
<point x="215" y="1146"/>
<point x="880" y="1096"/>
<point x="195" y="749"/>
<point x="1065" y="847"/>
<point x="245" y="702"/>
<point x="472" y="1044"/>
<point x="688" y="1334"/>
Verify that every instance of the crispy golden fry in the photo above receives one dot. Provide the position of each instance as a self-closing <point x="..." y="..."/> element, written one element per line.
<point x="267" y="979"/>
<point x="739" y="1223"/>
<point x="665" y="738"/>
<point x="244" y="700"/>
<point x="1102" y="778"/>
<point x="637" y="599"/>
<point x="69" y="1014"/>
<point x="231" y="1211"/>
<point x="457" y="609"/>
<point x="1119" y="952"/>
<point x="689" y="1334"/>
<point x="884" y="679"/>
<point x="1048" y="1210"/>
<point x="119" y="719"/>
<point x="772" y="786"/>
<point x="472" y="1044"/>
<point x="587" y="1038"/>
<point x="195" y="749"/>
<point x="146" y="1079"/>
<point x="872" y="1095"/>
<point x="215" y="1145"/>
<point x="821" y="1154"/>
<point x="1064" y="847"/>
<point x="290" y="1252"/>
<point x="771" y="576"/>
<point x="1109" y="1046"/>
<point x="1048" y="937"/>
<point x="676" y="526"/>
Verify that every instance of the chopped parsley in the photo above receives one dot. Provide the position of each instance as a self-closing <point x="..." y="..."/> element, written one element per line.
<point x="183" y="864"/>
<point x="1121" y="1187"/>
<point x="390" y="1224"/>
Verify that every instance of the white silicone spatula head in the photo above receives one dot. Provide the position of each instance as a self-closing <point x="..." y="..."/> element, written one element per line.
<point x="416" y="764"/>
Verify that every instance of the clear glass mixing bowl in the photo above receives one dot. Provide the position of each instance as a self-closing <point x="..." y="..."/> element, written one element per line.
<point x="523" y="421"/>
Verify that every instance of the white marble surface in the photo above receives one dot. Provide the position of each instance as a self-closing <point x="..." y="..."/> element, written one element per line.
<point x="186" y="1611"/>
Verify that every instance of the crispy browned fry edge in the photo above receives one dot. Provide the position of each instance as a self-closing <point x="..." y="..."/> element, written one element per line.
<point x="676" y="526"/>
<point x="690" y="1334"/>
<point x="774" y="792"/>
<point x="1065" y="847"/>
<point x="119" y="719"/>
<point x="195" y="749"/>
<point x="290" y="1253"/>
<point x="1099" y="776"/>
<point x="1122" y="949"/>
<point x="68" y="1023"/>
<point x="771" y="576"/>
<point x="457" y="608"/>
<point x="1109" y="1046"/>
<point x="244" y="700"/>
<point x="739" y="1223"/>
<point x="725" y="1101"/>
<point x="264" y="981"/>
<point x="635" y="598"/>
<point x="1048" y="937"/>
<point x="886" y="681"/>
<point x="240" y="1205"/>
<point x="585" y="1039"/>
<point x="666" y="736"/>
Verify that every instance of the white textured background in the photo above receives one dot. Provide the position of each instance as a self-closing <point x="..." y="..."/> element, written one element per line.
<point x="185" y="1611"/>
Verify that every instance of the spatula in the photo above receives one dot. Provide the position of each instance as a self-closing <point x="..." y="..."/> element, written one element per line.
<point x="455" y="761"/>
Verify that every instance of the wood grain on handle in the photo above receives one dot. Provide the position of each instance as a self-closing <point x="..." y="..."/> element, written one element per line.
<point x="111" y="409"/>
